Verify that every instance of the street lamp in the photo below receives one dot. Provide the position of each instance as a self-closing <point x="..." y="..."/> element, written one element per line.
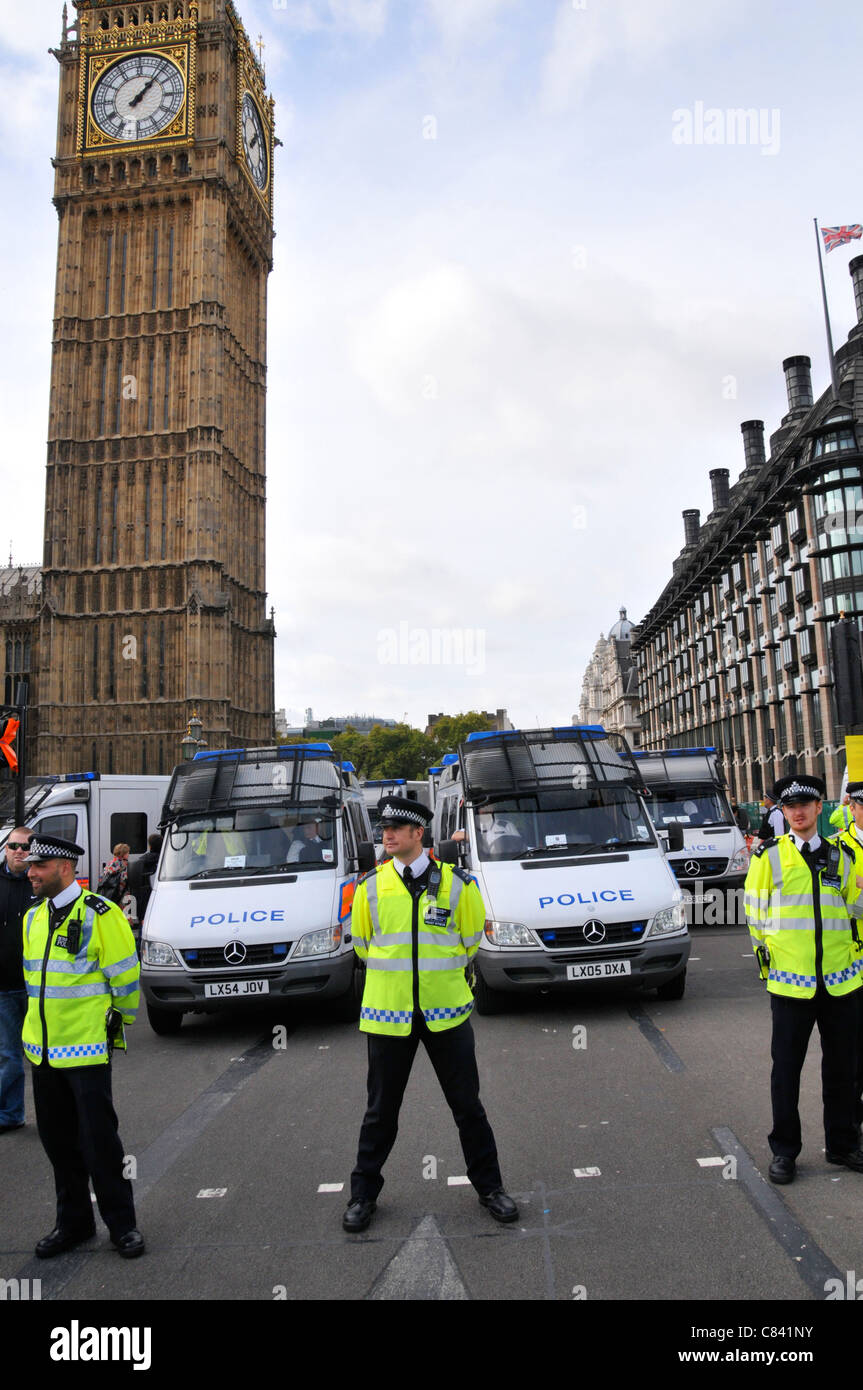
<point x="191" y="742"/>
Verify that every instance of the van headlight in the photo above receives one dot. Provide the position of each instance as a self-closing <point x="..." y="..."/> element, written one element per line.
<point x="158" y="953"/>
<point x="508" y="934"/>
<point x="318" y="943"/>
<point x="739" y="862"/>
<point x="670" y="919"/>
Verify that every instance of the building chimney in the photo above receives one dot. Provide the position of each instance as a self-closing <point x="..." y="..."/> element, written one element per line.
<point x="856" y="272"/>
<point x="691" y="525"/>
<point x="719" y="488"/>
<point x="753" y="442"/>
<point x="798" y="383"/>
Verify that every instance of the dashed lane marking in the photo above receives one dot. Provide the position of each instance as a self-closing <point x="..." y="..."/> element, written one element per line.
<point x="331" y="1187"/>
<point x="458" y="1181"/>
<point x="212" y="1192"/>
<point x="587" y="1172"/>
<point x="714" y="1162"/>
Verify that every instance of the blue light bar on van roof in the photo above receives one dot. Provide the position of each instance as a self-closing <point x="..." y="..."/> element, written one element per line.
<point x="671" y="752"/>
<point x="566" y="731"/>
<point x="450" y="758"/>
<point x="347" y="767"/>
<point x="433" y="771"/>
<point x="386" y="782"/>
<point x="284" y="750"/>
<point x="81" y="777"/>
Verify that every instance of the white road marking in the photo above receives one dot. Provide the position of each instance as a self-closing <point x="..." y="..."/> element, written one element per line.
<point x="212" y="1192"/>
<point x="711" y="1162"/>
<point x="331" y="1187"/>
<point x="458" y="1182"/>
<point x="587" y="1172"/>
<point x="422" y="1268"/>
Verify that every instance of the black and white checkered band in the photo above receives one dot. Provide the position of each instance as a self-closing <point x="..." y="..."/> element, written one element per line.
<point x="47" y="849"/>
<point x="396" y="811"/>
<point x="855" y="792"/>
<point x="803" y="789"/>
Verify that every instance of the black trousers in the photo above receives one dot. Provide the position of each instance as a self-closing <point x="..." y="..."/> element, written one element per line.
<point x="78" y="1128"/>
<point x="838" y="1020"/>
<point x="453" y="1056"/>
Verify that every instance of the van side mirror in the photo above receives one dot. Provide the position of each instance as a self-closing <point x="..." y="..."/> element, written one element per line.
<point x="365" y="856"/>
<point x="675" y="837"/>
<point x="448" y="851"/>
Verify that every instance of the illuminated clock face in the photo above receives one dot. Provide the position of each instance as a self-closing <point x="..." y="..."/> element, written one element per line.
<point x="138" y="97"/>
<point x="254" y="142"/>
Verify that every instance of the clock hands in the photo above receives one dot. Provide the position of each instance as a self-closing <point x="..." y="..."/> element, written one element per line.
<point x="143" y="92"/>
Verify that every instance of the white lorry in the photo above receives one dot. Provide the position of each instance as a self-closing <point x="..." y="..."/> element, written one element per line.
<point x="252" y="897"/>
<point x="576" y="884"/>
<point x="686" y="787"/>
<point x="97" y="811"/>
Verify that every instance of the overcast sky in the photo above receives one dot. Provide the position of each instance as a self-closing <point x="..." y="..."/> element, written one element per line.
<point x="528" y="282"/>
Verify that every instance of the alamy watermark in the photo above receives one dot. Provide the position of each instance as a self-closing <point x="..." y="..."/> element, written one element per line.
<point x="435" y="646"/>
<point x="737" y="125"/>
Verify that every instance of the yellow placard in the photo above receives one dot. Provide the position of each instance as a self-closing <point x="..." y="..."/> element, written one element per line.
<point x="854" y="756"/>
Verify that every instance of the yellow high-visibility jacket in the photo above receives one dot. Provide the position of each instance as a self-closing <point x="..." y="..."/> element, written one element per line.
<point x="69" y="992"/>
<point x="796" y="925"/>
<point x="391" y="930"/>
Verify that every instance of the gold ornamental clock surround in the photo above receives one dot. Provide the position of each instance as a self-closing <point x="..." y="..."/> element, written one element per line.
<point x="137" y="84"/>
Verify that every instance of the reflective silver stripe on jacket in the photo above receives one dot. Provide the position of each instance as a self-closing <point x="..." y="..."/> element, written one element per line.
<point x="69" y="991"/>
<point x="775" y="863"/>
<point x="117" y="969"/>
<point x="406" y="963"/>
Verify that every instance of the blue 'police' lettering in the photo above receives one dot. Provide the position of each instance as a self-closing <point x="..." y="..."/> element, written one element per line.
<point x="605" y="895"/>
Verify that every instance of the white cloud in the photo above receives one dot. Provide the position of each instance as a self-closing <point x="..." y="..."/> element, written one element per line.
<point x="457" y="19"/>
<point x="339" y="16"/>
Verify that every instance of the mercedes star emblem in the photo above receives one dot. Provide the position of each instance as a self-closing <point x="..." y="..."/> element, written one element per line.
<point x="235" y="953"/>
<point x="692" y="868"/>
<point x="593" y="932"/>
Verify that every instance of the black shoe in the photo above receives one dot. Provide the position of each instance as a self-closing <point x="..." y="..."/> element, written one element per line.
<point x="130" y="1245"/>
<point x="501" y="1206"/>
<point x="854" y="1159"/>
<point x="358" y="1215"/>
<point x="7" y="1129"/>
<point x="782" y="1169"/>
<point x="59" y="1241"/>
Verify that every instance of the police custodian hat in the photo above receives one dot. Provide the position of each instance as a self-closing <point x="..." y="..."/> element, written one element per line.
<point x="397" y="810"/>
<point x="52" y="847"/>
<point x="855" y="792"/>
<point x="800" y="787"/>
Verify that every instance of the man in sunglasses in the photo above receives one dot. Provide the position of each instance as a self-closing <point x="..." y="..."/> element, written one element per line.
<point x="16" y="896"/>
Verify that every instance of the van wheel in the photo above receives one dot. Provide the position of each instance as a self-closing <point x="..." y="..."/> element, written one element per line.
<point x="488" y="1001"/>
<point x="673" y="989"/>
<point x="346" y="1009"/>
<point x="165" y="1022"/>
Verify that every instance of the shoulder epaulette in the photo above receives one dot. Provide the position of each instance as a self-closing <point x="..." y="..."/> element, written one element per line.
<point x="765" y="844"/>
<point x="845" y="845"/>
<point x="369" y="873"/>
<point x="98" y="904"/>
<point x="462" y="874"/>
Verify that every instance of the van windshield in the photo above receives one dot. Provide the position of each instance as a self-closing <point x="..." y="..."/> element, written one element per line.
<point x="695" y="805"/>
<point x="301" y="838"/>
<point x="550" y="822"/>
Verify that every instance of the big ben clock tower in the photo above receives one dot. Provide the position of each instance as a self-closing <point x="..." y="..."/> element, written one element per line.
<point x="153" y="580"/>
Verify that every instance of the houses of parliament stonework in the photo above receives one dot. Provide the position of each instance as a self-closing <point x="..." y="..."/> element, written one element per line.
<point x="150" y="603"/>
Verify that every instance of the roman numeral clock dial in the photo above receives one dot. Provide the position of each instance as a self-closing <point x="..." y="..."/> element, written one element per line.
<point x="255" y="147"/>
<point x="137" y="97"/>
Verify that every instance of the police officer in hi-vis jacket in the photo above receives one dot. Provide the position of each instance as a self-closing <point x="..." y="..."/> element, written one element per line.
<point x="803" y="903"/>
<point x="416" y="923"/>
<point x="81" y="974"/>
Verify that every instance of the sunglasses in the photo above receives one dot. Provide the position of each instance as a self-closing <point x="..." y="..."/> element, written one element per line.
<point x="17" y="844"/>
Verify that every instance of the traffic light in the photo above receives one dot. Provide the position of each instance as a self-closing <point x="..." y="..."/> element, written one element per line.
<point x="9" y="726"/>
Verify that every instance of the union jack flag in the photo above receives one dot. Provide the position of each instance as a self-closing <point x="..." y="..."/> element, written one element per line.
<point x="837" y="236"/>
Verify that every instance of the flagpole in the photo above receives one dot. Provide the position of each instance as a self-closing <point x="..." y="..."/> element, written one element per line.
<point x="826" y="314"/>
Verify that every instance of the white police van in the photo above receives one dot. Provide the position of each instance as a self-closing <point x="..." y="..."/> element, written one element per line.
<point x="252" y="897"/>
<point x="376" y="788"/>
<point x="576" y="883"/>
<point x="686" y="787"/>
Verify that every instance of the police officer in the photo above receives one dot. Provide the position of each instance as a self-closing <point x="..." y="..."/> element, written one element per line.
<point x="81" y="971"/>
<point x="853" y="838"/>
<point x="803" y="903"/>
<point x="416" y="923"/>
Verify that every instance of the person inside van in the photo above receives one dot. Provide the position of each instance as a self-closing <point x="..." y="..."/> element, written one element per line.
<point x="308" y="847"/>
